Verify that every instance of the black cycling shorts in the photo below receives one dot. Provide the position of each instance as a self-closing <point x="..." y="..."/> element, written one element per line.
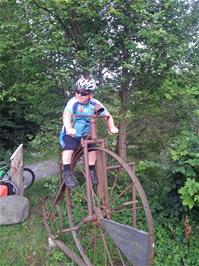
<point x="71" y="143"/>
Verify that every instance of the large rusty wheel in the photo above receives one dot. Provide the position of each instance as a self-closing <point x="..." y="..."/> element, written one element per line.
<point x="121" y="232"/>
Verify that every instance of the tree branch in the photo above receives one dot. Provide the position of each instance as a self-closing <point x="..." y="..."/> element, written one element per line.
<point x="58" y="18"/>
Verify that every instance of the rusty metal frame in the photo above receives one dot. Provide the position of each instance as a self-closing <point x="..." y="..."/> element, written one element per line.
<point x="103" y="191"/>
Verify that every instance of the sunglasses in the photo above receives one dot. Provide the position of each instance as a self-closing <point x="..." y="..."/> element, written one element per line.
<point x="82" y="93"/>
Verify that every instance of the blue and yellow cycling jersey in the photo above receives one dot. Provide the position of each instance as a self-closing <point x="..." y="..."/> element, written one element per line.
<point x="81" y="124"/>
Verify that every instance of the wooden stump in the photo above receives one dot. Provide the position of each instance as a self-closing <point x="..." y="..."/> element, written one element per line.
<point x="17" y="169"/>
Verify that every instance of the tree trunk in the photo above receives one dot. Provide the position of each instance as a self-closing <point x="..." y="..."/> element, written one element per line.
<point x="122" y="139"/>
<point x="124" y="107"/>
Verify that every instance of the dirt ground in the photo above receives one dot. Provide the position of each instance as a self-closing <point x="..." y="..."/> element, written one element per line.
<point x="44" y="168"/>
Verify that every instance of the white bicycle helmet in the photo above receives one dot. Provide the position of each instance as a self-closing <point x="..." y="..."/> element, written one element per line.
<point x="86" y="84"/>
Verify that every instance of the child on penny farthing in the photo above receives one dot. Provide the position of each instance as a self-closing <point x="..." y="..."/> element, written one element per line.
<point x="74" y="129"/>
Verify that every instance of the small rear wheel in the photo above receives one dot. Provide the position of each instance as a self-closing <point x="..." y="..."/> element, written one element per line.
<point x="28" y="178"/>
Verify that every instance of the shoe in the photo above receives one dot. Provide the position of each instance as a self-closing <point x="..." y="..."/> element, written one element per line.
<point x="93" y="176"/>
<point x="69" y="179"/>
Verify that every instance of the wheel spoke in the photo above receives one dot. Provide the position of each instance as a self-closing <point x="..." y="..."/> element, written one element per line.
<point x="113" y="186"/>
<point x="122" y="193"/>
<point x="120" y="255"/>
<point x="122" y="206"/>
<point x="117" y="204"/>
<point x="106" y="247"/>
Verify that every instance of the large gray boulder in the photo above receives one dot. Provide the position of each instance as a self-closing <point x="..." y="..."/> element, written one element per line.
<point x="13" y="209"/>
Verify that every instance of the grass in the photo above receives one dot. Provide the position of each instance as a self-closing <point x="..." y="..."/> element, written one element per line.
<point x="26" y="244"/>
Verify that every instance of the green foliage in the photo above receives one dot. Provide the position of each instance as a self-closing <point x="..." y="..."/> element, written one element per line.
<point x="4" y="155"/>
<point x="143" y="165"/>
<point x="184" y="171"/>
<point x="165" y="177"/>
<point x="190" y="193"/>
<point x="46" y="45"/>
<point x="171" y="245"/>
<point x="186" y="145"/>
<point x="51" y="185"/>
<point x="45" y="142"/>
<point x="185" y="155"/>
<point x="58" y="256"/>
<point x="146" y="49"/>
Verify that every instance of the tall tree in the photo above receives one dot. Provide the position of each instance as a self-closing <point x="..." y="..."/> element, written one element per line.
<point x="129" y="46"/>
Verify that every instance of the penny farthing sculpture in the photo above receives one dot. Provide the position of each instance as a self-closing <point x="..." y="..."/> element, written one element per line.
<point x="107" y="224"/>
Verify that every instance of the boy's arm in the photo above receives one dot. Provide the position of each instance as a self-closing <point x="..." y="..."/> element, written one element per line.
<point x="111" y="126"/>
<point x="67" y="123"/>
<point x="110" y="122"/>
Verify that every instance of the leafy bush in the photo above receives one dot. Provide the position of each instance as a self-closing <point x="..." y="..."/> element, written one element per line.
<point x="45" y="143"/>
<point x="185" y="155"/>
<point x="185" y="170"/>
<point x="190" y="193"/>
<point x="172" y="180"/>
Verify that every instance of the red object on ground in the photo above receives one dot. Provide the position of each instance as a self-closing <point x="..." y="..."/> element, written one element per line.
<point x="3" y="191"/>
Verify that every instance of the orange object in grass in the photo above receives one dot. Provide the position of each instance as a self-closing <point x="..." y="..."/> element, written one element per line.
<point x="3" y="191"/>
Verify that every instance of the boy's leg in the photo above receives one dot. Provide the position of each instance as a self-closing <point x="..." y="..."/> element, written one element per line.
<point x="67" y="156"/>
<point x="92" y="171"/>
<point x="68" y="176"/>
<point x="92" y="157"/>
<point x="70" y="146"/>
